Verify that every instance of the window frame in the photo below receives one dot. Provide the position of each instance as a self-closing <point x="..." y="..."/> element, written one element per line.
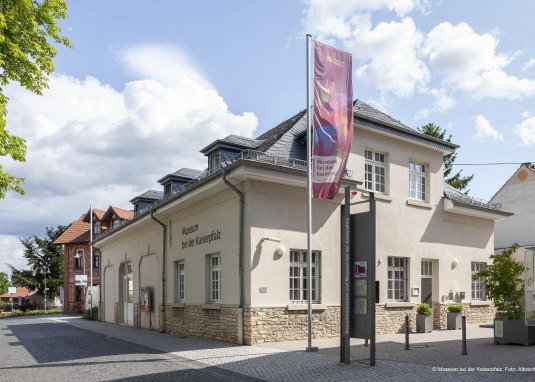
<point x="418" y="184"/>
<point x="477" y="287"/>
<point x="298" y="291"/>
<point x="371" y="174"/>
<point x="214" y="283"/>
<point x="79" y="261"/>
<point x="397" y="286"/>
<point x="96" y="261"/>
<point x="180" y="281"/>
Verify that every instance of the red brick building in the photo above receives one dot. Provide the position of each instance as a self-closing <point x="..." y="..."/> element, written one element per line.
<point x="77" y="255"/>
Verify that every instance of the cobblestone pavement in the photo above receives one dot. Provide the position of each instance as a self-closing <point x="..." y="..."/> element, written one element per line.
<point x="133" y="354"/>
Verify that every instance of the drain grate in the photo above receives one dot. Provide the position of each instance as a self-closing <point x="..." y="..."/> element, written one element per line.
<point x="419" y="346"/>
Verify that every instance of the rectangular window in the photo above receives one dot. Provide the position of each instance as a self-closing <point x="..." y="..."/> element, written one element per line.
<point x="79" y="262"/>
<point x="214" y="162"/>
<point x="215" y="279"/>
<point x="397" y="279"/>
<point x="375" y="171"/>
<point x="96" y="261"/>
<point x="96" y="228"/>
<point x="180" y="281"/>
<point x="299" y="276"/>
<point x="478" y="286"/>
<point x="417" y="181"/>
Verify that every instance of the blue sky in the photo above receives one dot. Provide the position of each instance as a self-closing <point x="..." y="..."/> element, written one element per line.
<point x="149" y="84"/>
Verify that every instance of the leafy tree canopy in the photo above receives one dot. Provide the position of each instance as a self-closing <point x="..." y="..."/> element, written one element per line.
<point x="504" y="282"/>
<point x="457" y="180"/>
<point x="41" y="253"/>
<point x="4" y="282"/>
<point x="27" y="29"/>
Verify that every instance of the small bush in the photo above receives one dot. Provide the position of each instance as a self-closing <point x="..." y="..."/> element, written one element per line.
<point x="424" y="309"/>
<point x="38" y="312"/>
<point x="91" y="313"/>
<point x="455" y="308"/>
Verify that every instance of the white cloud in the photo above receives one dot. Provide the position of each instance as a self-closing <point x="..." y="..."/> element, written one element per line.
<point x="525" y="130"/>
<point x="89" y="143"/>
<point x="528" y="65"/>
<point x="10" y="253"/>
<point x="484" y="129"/>
<point x="526" y="114"/>
<point x="469" y="62"/>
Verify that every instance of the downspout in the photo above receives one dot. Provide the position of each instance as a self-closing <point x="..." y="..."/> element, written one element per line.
<point x="164" y="257"/>
<point x="241" y="252"/>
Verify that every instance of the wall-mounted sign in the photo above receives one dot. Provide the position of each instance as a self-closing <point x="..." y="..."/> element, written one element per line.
<point x="12" y="290"/>
<point x="188" y="242"/>
<point x="145" y="299"/>
<point x="80" y="280"/>
<point x="361" y="269"/>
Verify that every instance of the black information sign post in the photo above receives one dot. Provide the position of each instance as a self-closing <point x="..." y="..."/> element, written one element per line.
<point x="359" y="287"/>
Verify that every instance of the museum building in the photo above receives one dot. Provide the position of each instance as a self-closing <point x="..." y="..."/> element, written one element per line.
<point x="221" y="253"/>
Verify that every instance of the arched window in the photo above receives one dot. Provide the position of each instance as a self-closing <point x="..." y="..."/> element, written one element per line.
<point x="79" y="258"/>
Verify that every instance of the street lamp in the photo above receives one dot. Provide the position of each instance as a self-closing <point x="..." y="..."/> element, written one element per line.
<point x="43" y="270"/>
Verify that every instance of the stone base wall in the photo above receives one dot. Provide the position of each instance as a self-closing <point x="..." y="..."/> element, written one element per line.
<point x="281" y="324"/>
<point x="116" y="312"/>
<point x="196" y="321"/>
<point x="101" y="311"/>
<point x="137" y="315"/>
<point x="475" y="314"/>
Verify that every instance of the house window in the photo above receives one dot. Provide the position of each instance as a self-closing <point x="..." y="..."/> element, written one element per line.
<point x="167" y="189"/>
<point x="215" y="279"/>
<point x="180" y="281"/>
<point x="78" y="294"/>
<point x="299" y="276"/>
<point x="96" y="261"/>
<point x="375" y="171"/>
<point x="213" y="165"/>
<point x="116" y="223"/>
<point x="478" y="286"/>
<point x="397" y="279"/>
<point x="96" y="228"/>
<point x="79" y="258"/>
<point x="417" y="184"/>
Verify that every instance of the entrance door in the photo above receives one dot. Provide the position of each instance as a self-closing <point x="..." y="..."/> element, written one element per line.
<point x="128" y="294"/>
<point x="427" y="282"/>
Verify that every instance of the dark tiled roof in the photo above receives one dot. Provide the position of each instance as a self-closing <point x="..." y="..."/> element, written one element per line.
<point x="457" y="196"/>
<point x="150" y="195"/>
<point x="188" y="173"/>
<point x="235" y="140"/>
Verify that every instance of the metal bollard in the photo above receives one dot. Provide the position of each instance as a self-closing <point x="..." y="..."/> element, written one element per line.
<point x="407" y="332"/>
<point x="464" y="335"/>
<point x="366" y="342"/>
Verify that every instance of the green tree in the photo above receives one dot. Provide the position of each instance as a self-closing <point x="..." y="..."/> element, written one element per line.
<point x="40" y="253"/>
<point x="457" y="180"/>
<point x="4" y="282"/>
<point x="504" y="282"/>
<point x="27" y="28"/>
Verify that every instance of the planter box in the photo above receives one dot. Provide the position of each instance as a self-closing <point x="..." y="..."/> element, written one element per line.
<point x="513" y="332"/>
<point x="455" y="320"/>
<point x="424" y="324"/>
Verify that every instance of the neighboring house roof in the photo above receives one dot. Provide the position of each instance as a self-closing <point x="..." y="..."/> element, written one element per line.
<point x="521" y="174"/>
<point x="119" y="212"/>
<point x="99" y="214"/>
<point x="77" y="232"/>
<point x="21" y="292"/>
<point x="150" y="195"/>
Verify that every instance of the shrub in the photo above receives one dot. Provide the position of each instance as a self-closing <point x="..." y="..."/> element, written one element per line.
<point x="455" y="308"/>
<point x="424" y="309"/>
<point x="91" y="313"/>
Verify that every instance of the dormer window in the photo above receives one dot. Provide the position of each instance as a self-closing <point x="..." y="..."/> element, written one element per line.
<point x="167" y="189"/>
<point x="213" y="164"/>
<point x="116" y="223"/>
<point x="96" y="228"/>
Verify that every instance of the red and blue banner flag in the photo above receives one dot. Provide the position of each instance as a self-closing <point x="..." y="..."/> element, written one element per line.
<point x="333" y="119"/>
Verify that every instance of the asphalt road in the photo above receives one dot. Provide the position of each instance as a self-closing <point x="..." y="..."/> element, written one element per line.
<point x="33" y="349"/>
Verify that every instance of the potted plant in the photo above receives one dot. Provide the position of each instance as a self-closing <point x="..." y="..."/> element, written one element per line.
<point x="455" y="316"/>
<point x="424" y="318"/>
<point x="504" y="284"/>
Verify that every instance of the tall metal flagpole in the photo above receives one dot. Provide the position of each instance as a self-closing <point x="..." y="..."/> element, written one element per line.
<point x="91" y="256"/>
<point x="309" y="201"/>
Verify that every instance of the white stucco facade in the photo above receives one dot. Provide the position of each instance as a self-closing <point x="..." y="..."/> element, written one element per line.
<point x="255" y="304"/>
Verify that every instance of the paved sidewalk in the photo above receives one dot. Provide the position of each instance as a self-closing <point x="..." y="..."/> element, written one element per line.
<point x="433" y="356"/>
